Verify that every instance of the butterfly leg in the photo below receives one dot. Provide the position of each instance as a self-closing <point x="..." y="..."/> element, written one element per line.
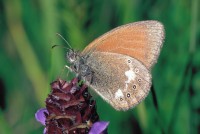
<point x="88" y="78"/>
<point x="69" y="68"/>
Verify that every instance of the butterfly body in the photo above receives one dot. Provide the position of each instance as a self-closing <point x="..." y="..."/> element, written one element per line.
<point x="117" y="64"/>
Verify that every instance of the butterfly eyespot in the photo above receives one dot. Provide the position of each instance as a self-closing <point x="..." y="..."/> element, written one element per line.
<point x="121" y="99"/>
<point x="139" y="80"/>
<point x="128" y="95"/>
<point x="134" y="86"/>
<point x="129" y="61"/>
<point x="136" y="70"/>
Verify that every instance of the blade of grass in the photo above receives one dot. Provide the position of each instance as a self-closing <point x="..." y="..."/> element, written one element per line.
<point x="24" y="49"/>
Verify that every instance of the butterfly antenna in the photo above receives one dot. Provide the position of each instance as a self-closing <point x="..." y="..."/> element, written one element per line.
<point x="60" y="46"/>
<point x="64" y="39"/>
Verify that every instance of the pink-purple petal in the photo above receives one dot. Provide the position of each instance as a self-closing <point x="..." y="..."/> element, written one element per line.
<point x="99" y="127"/>
<point x="39" y="115"/>
<point x="44" y="131"/>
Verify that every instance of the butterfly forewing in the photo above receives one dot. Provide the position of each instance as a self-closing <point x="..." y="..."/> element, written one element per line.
<point x="140" y="40"/>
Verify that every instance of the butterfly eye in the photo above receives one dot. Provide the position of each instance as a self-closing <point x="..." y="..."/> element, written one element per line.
<point x="71" y="56"/>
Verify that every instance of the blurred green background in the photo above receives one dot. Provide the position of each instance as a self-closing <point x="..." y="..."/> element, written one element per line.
<point x="28" y="64"/>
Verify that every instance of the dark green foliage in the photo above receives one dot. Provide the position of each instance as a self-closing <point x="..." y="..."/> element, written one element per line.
<point x="28" y="63"/>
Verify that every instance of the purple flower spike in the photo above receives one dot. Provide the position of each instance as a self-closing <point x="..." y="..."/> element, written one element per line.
<point x="39" y="115"/>
<point x="70" y="109"/>
<point x="99" y="127"/>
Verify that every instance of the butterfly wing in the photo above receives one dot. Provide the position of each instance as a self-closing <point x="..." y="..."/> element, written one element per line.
<point x="140" y="40"/>
<point x="119" y="79"/>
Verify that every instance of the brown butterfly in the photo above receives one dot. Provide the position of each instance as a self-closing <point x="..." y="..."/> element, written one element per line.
<point x="117" y="65"/>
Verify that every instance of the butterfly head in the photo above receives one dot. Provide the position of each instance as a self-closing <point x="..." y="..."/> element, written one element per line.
<point x="72" y="56"/>
<point x="74" y="59"/>
<point x="78" y="63"/>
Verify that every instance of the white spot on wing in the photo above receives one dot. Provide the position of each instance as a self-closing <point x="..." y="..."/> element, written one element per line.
<point x="119" y="94"/>
<point x="130" y="75"/>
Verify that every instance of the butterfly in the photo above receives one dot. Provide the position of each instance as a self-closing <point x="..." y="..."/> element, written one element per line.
<point x="117" y="65"/>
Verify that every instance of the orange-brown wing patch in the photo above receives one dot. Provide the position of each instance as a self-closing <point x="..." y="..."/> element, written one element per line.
<point x="140" y="40"/>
